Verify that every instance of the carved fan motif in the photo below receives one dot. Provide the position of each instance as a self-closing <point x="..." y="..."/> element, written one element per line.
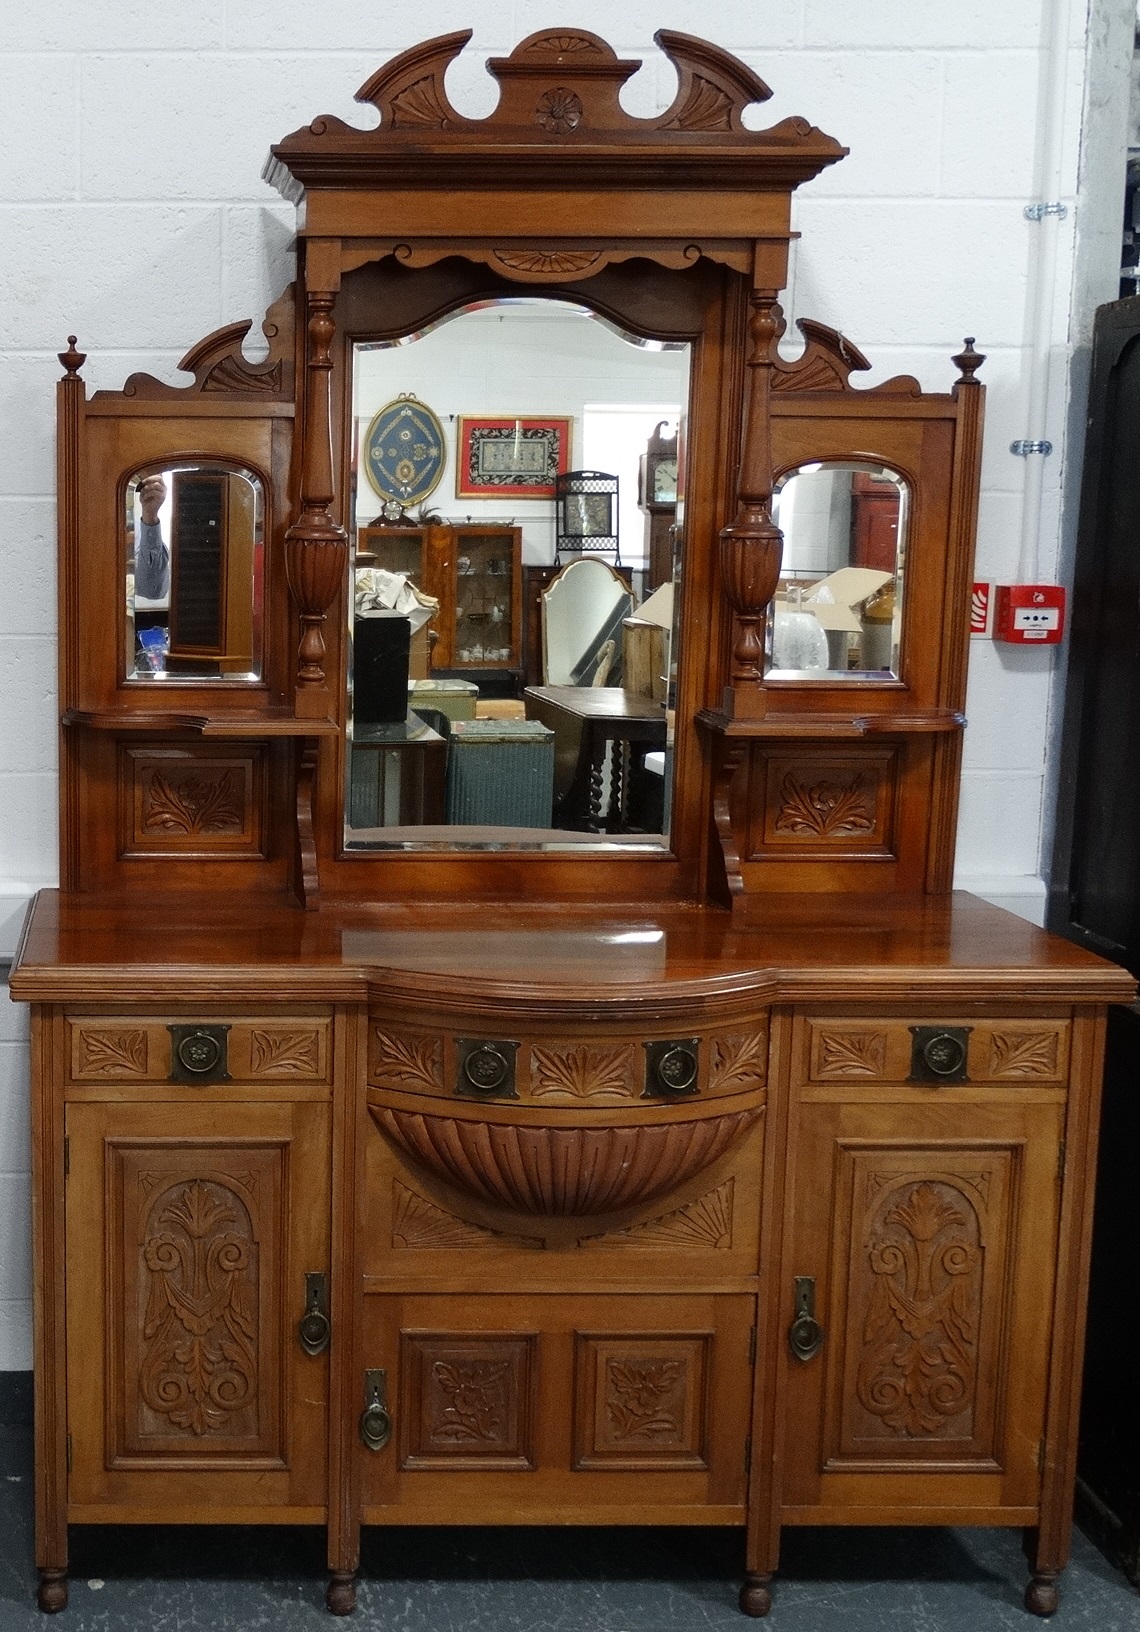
<point x="409" y="1058"/>
<point x="1022" y="1054"/>
<point x="707" y="108"/>
<point x="417" y="1222"/>
<point x="920" y="1333"/>
<point x="584" y="1073"/>
<point x="851" y="1054"/>
<point x="826" y="810"/>
<point x="199" y="1365"/>
<point x="547" y="262"/>
<point x="701" y="1224"/>
<point x="420" y="104"/>
<point x="738" y="1060"/>
<point x="284" y="1053"/>
<point x="193" y="804"/>
<point x="112" y="1053"/>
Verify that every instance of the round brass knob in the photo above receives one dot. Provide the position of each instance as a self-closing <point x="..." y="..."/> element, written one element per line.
<point x="487" y="1069"/>
<point x="944" y="1055"/>
<point x="677" y="1070"/>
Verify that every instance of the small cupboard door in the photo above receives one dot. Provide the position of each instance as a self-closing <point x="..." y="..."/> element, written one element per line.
<point x="190" y="1230"/>
<point x="585" y="1408"/>
<point x="925" y="1237"/>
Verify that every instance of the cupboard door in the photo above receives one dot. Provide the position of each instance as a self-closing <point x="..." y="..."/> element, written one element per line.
<point x="583" y="1408"/>
<point x="925" y="1233"/>
<point x="190" y="1230"/>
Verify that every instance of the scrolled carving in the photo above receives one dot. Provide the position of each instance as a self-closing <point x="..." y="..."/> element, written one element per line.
<point x="562" y="1171"/>
<point x="408" y="1058"/>
<point x="219" y="365"/>
<point x="193" y="804"/>
<point x="1024" y="1054"/>
<point x="112" y="1053"/>
<point x="284" y="1053"/>
<point x="200" y="1362"/>
<point x="825" y="810"/>
<point x="920" y="1333"/>
<point x="583" y="1072"/>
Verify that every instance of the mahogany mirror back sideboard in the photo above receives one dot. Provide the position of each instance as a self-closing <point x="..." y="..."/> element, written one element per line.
<point x="576" y="1103"/>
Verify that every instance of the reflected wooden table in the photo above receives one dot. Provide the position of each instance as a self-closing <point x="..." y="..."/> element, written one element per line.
<point x="601" y="737"/>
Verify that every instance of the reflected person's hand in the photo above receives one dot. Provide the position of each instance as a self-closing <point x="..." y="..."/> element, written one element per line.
<point x="152" y="495"/>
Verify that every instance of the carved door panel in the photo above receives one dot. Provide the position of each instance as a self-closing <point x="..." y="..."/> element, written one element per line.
<point x="925" y="1235"/>
<point x="190" y="1230"/>
<point x="537" y="1409"/>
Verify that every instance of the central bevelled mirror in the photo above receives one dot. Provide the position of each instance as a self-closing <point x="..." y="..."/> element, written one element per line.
<point x="504" y="691"/>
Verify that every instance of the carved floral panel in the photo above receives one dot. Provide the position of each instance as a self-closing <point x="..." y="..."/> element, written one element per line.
<point x="848" y="1051"/>
<point x="286" y="1051"/>
<point x="1026" y="1053"/>
<point x="641" y="1400"/>
<point x="466" y="1400"/>
<point x="190" y="801"/>
<point x="406" y="1059"/>
<point x="825" y="803"/>
<point x="738" y="1062"/>
<point x="110" y="1051"/>
<point x="195" y="1302"/>
<point x="578" y="1071"/>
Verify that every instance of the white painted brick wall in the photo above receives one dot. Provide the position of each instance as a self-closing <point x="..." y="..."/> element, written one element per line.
<point x="132" y="214"/>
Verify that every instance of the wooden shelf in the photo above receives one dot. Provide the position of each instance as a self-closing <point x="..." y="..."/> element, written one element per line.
<point x="850" y="726"/>
<point x="149" y="721"/>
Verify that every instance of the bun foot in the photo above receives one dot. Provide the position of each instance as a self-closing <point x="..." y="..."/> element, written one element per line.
<point x="52" y="1596"/>
<point x="340" y="1594"/>
<point x="755" y="1599"/>
<point x="1041" y="1595"/>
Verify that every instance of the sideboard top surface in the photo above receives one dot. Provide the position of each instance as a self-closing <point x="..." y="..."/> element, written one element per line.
<point x="791" y="948"/>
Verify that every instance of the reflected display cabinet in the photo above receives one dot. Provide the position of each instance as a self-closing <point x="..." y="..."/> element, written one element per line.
<point x="474" y="571"/>
<point x="736" y="1174"/>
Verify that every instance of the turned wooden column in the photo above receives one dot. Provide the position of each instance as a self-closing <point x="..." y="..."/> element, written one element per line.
<point x="316" y="545"/>
<point x="751" y="547"/>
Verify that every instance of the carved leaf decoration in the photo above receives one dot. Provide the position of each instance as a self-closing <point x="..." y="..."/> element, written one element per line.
<point x="476" y="1395"/>
<point x="193" y="804"/>
<point x="707" y="107"/>
<point x="703" y="1224"/>
<point x="739" y="1059"/>
<point x="1021" y="1054"/>
<point x="583" y="1072"/>
<point x="283" y="1052"/>
<point x="420" y="104"/>
<point x="113" y="1053"/>
<point x="418" y="1222"/>
<point x="826" y="810"/>
<point x="641" y="1398"/>
<point x="409" y="1059"/>
<point x="852" y="1054"/>
<point x="233" y="374"/>
<point x="919" y="1365"/>
<point x="200" y="1362"/>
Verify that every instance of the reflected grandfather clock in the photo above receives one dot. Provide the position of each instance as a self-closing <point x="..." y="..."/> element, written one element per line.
<point x="657" y="496"/>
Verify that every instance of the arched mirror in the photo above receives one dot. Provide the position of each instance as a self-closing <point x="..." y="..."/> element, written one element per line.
<point x="194" y="538"/>
<point x="455" y="729"/>
<point x="838" y="611"/>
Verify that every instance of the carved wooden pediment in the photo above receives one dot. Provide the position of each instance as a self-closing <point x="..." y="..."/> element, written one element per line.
<point x="559" y="90"/>
<point x="220" y="367"/>
<point x="827" y="362"/>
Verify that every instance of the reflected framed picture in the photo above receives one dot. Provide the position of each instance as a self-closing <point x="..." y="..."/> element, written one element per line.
<point x="511" y="457"/>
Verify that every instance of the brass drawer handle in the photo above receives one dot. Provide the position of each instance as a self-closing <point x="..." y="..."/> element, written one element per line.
<point x="939" y="1053"/>
<point x="375" y="1422"/>
<point x="805" y="1334"/>
<point x="314" y="1328"/>
<point x="671" y="1068"/>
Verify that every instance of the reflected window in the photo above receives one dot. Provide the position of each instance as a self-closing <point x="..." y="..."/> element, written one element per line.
<point x="838" y="610"/>
<point x="195" y="568"/>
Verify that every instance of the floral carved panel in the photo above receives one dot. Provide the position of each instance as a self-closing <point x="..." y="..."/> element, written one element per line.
<point x="848" y="1052"/>
<point x="191" y="801"/>
<point x="287" y="1052"/>
<point x="406" y="1059"/>
<point x="640" y="1400"/>
<point x="466" y="1401"/>
<point x="105" y="1051"/>
<point x="1027" y="1053"/>
<point x="197" y="1293"/>
<point x="825" y="803"/>
<point x="578" y="1071"/>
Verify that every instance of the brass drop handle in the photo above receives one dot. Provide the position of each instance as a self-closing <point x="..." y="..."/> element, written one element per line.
<point x="375" y="1423"/>
<point x="314" y="1328"/>
<point x="805" y="1334"/>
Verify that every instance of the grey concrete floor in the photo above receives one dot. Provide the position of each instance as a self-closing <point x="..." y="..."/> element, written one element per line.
<point x="469" y="1579"/>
